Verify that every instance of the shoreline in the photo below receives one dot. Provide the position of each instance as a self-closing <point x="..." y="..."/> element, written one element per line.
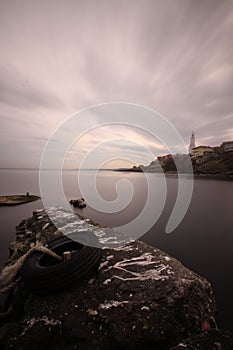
<point x="222" y="177"/>
<point x="207" y="176"/>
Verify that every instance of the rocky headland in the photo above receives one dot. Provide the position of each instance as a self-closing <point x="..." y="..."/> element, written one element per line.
<point x="217" y="165"/>
<point x="139" y="298"/>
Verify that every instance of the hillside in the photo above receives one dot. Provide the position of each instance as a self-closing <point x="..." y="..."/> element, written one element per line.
<point x="219" y="163"/>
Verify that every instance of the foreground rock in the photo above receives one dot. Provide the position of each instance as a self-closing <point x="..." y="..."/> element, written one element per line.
<point x="140" y="298"/>
<point x="213" y="339"/>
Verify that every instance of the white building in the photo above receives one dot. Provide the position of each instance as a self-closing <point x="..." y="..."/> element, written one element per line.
<point x="192" y="143"/>
<point x="201" y="150"/>
<point x="227" y="146"/>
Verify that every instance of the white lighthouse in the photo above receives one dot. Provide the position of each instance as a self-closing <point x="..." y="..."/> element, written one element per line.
<point x="192" y="143"/>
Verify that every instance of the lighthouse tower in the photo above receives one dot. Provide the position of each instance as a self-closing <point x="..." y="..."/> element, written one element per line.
<point x="192" y="143"/>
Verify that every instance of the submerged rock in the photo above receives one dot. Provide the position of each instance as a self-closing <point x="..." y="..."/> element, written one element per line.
<point x="140" y="298"/>
<point x="79" y="203"/>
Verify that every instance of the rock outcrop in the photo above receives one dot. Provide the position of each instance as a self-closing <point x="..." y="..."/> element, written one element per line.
<point x="140" y="298"/>
<point x="17" y="199"/>
<point x="79" y="203"/>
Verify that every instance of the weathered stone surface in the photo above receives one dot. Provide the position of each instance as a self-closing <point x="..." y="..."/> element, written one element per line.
<point x="212" y="339"/>
<point x="37" y="228"/>
<point x="140" y="298"/>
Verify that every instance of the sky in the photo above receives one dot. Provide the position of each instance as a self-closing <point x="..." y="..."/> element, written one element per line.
<point x="62" y="56"/>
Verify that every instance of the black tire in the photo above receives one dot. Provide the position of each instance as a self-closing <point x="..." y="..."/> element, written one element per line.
<point x="45" y="275"/>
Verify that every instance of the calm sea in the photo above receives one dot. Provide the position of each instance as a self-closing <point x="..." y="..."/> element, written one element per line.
<point x="203" y="241"/>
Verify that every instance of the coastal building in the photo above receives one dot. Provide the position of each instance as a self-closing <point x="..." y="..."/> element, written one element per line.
<point x="163" y="159"/>
<point x="227" y="146"/>
<point x="200" y="151"/>
<point x="217" y="149"/>
<point x="192" y="143"/>
<point x="200" y="160"/>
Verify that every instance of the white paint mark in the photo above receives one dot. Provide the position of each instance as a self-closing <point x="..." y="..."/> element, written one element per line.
<point x="109" y="257"/>
<point x="142" y="276"/>
<point x="45" y="226"/>
<point x="48" y="322"/>
<point x="112" y="303"/>
<point x="145" y="308"/>
<point x="126" y="248"/>
<point x="103" y="264"/>
<point x="145" y="259"/>
<point x="92" y="312"/>
<point x="167" y="258"/>
<point x="107" y="281"/>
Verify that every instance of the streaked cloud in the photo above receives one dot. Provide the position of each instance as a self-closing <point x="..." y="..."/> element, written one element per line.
<point x="58" y="57"/>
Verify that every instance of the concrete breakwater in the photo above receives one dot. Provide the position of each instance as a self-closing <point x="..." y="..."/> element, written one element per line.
<point x="139" y="298"/>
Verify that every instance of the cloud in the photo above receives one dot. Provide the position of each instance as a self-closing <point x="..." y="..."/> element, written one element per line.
<point x="58" y="57"/>
<point x="18" y="91"/>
